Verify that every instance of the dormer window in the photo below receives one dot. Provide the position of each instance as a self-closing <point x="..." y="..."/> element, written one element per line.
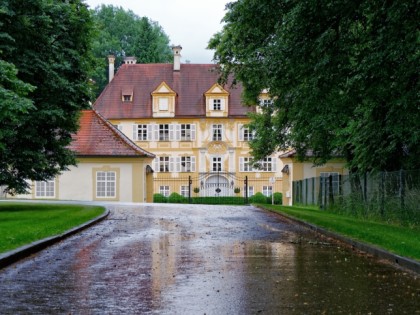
<point x="217" y="104"/>
<point x="127" y="95"/>
<point x="163" y="103"/>
<point x="127" y="98"/>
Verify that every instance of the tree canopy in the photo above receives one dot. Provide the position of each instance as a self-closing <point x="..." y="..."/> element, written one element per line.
<point x="123" y="33"/>
<point x="44" y="73"/>
<point x="343" y="76"/>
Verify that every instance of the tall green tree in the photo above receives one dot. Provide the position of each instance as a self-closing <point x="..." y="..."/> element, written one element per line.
<point x="44" y="73"/>
<point x="123" y="33"/>
<point x="343" y="76"/>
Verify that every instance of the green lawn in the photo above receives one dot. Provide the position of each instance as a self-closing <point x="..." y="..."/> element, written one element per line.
<point x="400" y="240"/>
<point x="24" y="223"/>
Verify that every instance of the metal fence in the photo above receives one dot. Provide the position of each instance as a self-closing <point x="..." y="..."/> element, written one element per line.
<point x="388" y="195"/>
<point x="213" y="187"/>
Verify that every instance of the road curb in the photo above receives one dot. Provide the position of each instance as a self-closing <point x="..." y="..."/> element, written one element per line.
<point x="394" y="259"/>
<point x="13" y="256"/>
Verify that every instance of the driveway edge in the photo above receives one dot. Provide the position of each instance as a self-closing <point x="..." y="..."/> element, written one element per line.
<point x="13" y="256"/>
<point x="377" y="252"/>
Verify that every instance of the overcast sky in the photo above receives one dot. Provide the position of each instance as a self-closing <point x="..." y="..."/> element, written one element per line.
<point x="189" y="23"/>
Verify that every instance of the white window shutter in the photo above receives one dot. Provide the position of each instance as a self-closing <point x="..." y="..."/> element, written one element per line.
<point x="274" y="164"/>
<point x="156" y="164"/>
<point x="223" y="132"/>
<point x="241" y="132"/>
<point x="222" y="104"/>
<point x="177" y="132"/>
<point x="177" y="164"/>
<point x="193" y="164"/>
<point x="135" y="132"/>
<point x="155" y="132"/>
<point x="171" y="132"/>
<point x="149" y="132"/>
<point x="241" y="164"/>
<point x="192" y="132"/>
<point x="171" y="164"/>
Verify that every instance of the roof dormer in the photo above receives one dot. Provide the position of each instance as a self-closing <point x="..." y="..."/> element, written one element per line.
<point x="217" y="101"/>
<point x="265" y="100"/>
<point x="163" y="101"/>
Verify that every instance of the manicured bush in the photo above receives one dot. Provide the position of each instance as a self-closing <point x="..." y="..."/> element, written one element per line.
<point x="258" y="198"/>
<point x="159" y="198"/>
<point x="219" y="200"/>
<point x="278" y="198"/>
<point x="196" y="190"/>
<point x="177" y="198"/>
<point x="237" y="190"/>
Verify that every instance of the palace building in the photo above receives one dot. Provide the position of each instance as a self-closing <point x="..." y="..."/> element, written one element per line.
<point x="194" y="126"/>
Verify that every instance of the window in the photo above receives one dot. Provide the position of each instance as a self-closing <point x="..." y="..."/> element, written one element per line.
<point x="187" y="163"/>
<point x="105" y="184"/>
<point x="267" y="165"/>
<point x="250" y="191"/>
<point x="217" y="132"/>
<point x="267" y="191"/>
<point x="187" y="132"/>
<point x="142" y="132"/>
<point x="184" y="191"/>
<point x="217" y="164"/>
<point x="335" y="178"/>
<point x="217" y="104"/>
<point x="164" y="190"/>
<point x="164" y="164"/>
<point x="45" y="189"/>
<point x="266" y="102"/>
<point x="247" y="134"/>
<point x="164" y="132"/>
<point x="127" y="98"/>
<point x="245" y="164"/>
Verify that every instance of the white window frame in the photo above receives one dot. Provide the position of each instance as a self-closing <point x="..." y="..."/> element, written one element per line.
<point x="245" y="164"/>
<point x="217" y="104"/>
<point x="142" y="132"/>
<point x="187" y="164"/>
<point x="184" y="190"/>
<point x="106" y="184"/>
<point x="164" y="132"/>
<point x="250" y="191"/>
<point x="45" y="189"/>
<point x="267" y="190"/>
<point x="164" y="190"/>
<point x="216" y="164"/>
<point x="217" y="132"/>
<point x="187" y="132"/>
<point x="268" y="164"/>
<point x="163" y="164"/>
<point x="163" y="103"/>
<point x="266" y="102"/>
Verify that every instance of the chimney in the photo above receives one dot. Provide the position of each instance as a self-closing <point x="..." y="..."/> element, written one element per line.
<point x="130" y="60"/>
<point x="111" y="60"/>
<point x="177" y="57"/>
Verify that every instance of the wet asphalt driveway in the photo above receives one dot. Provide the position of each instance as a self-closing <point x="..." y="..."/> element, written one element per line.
<point x="189" y="259"/>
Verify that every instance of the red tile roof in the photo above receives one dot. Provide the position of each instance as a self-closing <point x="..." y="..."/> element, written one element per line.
<point x="190" y="84"/>
<point x="98" y="137"/>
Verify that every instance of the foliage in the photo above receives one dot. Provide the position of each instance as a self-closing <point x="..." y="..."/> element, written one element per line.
<point x="21" y="224"/>
<point x="45" y="62"/>
<point x="123" y="33"/>
<point x="219" y="200"/>
<point x="177" y="198"/>
<point x="278" y="198"/>
<point x="159" y="198"/>
<point x="343" y="76"/>
<point x="237" y="190"/>
<point x="196" y="190"/>
<point x="258" y="198"/>
<point x="400" y="240"/>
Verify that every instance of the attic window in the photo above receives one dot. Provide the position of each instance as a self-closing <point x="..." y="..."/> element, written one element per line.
<point x="217" y="104"/>
<point x="127" y="95"/>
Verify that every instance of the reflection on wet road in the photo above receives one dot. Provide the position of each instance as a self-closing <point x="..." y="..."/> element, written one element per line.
<point x="189" y="259"/>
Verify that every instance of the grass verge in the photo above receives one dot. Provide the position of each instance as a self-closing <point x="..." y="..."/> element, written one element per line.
<point x="24" y="223"/>
<point x="400" y="240"/>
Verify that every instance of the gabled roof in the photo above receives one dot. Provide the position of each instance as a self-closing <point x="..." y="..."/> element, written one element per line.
<point x="190" y="84"/>
<point x="98" y="137"/>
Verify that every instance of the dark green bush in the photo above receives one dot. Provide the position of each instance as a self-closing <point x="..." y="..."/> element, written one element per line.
<point x="159" y="198"/>
<point x="278" y="198"/>
<point x="258" y="198"/>
<point x="177" y="198"/>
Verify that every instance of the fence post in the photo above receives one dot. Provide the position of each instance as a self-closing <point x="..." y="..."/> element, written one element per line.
<point x="189" y="188"/>
<point x="246" y="189"/>
<point x="330" y="192"/>
<point x="382" y="195"/>
<point x="402" y="188"/>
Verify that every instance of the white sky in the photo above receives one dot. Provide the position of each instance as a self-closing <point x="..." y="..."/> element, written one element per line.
<point x="189" y="23"/>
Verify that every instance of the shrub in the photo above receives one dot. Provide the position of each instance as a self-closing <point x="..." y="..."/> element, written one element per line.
<point x="258" y="198"/>
<point x="278" y="198"/>
<point x="177" y="198"/>
<point x="196" y="190"/>
<point x="237" y="190"/>
<point x="159" y="198"/>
